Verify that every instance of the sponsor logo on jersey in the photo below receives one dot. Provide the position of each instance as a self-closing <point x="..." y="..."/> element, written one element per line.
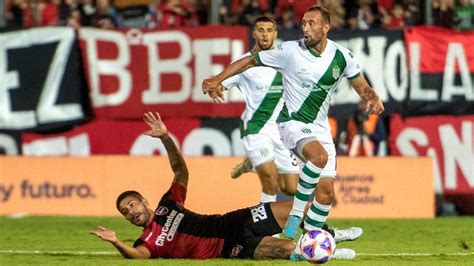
<point x="303" y="71"/>
<point x="306" y="130"/>
<point x="258" y="213"/>
<point x="169" y="229"/>
<point x="174" y="226"/>
<point x="162" y="210"/>
<point x="236" y="250"/>
<point x="315" y="87"/>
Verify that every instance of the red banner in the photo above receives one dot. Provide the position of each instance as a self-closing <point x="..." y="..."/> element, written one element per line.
<point x="438" y="48"/>
<point x="194" y="137"/>
<point x="448" y="139"/>
<point x="131" y="72"/>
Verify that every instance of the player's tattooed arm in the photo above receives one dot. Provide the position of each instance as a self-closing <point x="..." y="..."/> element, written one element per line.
<point x="270" y="251"/>
<point x="159" y="130"/>
<point x="368" y="95"/>
<point x="178" y="165"/>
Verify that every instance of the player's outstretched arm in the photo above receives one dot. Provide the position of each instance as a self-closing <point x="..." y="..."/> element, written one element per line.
<point x="213" y="84"/>
<point x="374" y="104"/>
<point x="159" y="130"/>
<point x="128" y="252"/>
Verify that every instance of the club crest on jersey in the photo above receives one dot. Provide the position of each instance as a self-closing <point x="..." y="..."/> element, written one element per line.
<point x="336" y="71"/>
<point x="162" y="210"/>
<point x="236" y="250"/>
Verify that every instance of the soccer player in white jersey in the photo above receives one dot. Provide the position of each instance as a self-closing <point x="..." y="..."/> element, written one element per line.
<point x="312" y="68"/>
<point x="262" y="90"/>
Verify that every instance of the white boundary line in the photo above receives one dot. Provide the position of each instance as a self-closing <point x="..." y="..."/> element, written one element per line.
<point x="106" y="253"/>
<point x="413" y="254"/>
<point x="58" y="252"/>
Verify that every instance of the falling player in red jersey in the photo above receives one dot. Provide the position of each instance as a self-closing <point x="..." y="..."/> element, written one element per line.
<point x="172" y="231"/>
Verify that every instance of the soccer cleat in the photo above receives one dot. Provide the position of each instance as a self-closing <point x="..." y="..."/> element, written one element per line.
<point x="348" y="234"/>
<point x="296" y="257"/>
<point x="291" y="226"/>
<point x="241" y="168"/>
<point x="343" y="254"/>
<point x="297" y="254"/>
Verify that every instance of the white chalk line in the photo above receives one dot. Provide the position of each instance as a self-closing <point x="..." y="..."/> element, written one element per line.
<point x="414" y="254"/>
<point x="106" y="253"/>
<point x="59" y="252"/>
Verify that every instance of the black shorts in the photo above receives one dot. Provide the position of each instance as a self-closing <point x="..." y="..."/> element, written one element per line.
<point x="245" y="229"/>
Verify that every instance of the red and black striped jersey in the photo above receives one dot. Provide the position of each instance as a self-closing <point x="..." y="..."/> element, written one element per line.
<point x="176" y="232"/>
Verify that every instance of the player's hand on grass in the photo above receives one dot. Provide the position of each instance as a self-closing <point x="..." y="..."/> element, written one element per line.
<point x="374" y="106"/>
<point x="157" y="127"/>
<point x="105" y="234"/>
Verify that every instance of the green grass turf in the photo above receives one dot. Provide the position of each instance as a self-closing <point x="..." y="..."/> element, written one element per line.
<point x="437" y="238"/>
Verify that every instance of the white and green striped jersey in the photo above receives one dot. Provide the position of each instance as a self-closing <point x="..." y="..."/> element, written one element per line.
<point x="309" y="78"/>
<point x="262" y="91"/>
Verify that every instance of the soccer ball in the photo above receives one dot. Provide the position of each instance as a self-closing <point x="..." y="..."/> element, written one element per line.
<point x="317" y="246"/>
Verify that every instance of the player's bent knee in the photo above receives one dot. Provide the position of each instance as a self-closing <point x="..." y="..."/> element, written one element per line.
<point x="325" y="197"/>
<point x="319" y="159"/>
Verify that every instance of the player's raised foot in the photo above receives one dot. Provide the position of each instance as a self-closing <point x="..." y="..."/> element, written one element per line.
<point x="347" y="234"/>
<point x="343" y="254"/>
<point x="291" y="226"/>
<point x="241" y="168"/>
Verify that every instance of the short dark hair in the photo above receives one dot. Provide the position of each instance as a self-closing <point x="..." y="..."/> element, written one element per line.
<point x="324" y="12"/>
<point x="125" y="194"/>
<point x="264" y="19"/>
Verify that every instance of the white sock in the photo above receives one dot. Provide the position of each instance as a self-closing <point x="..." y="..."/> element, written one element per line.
<point x="307" y="182"/>
<point x="264" y="198"/>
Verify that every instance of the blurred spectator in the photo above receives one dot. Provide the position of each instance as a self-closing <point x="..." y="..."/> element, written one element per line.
<point x="366" y="134"/>
<point x="226" y="17"/>
<point x="464" y="15"/>
<point x="337" y="11"/>
<point x="252" y="10"/>
<point x="287" y="25"/>
<point x="443" y="13"/>
<point x="74" y="19"/>
<point x="299" y="6"/>
<point x="201" y="9"/>
<point x="14" y="13"/>
<point x="366" y="15"/>
<point x="106" y="15"/>
<point x="65" y="8"/>
<point x="412" y="12"/>
<point x="39" y="13"/>
<point x="396" y="17"/>
<point x="384" y="6"/>
<point x="88" y="10"/>
<point x="175" y="13"/>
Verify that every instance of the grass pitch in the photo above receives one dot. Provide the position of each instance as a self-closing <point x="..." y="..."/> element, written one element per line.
<point x="66" y="241"/>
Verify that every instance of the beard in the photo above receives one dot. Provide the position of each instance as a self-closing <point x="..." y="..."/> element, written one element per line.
<point x="311" y="42"/>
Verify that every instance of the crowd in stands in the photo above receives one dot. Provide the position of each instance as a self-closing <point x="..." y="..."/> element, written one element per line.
<point x="164" y="14"/>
